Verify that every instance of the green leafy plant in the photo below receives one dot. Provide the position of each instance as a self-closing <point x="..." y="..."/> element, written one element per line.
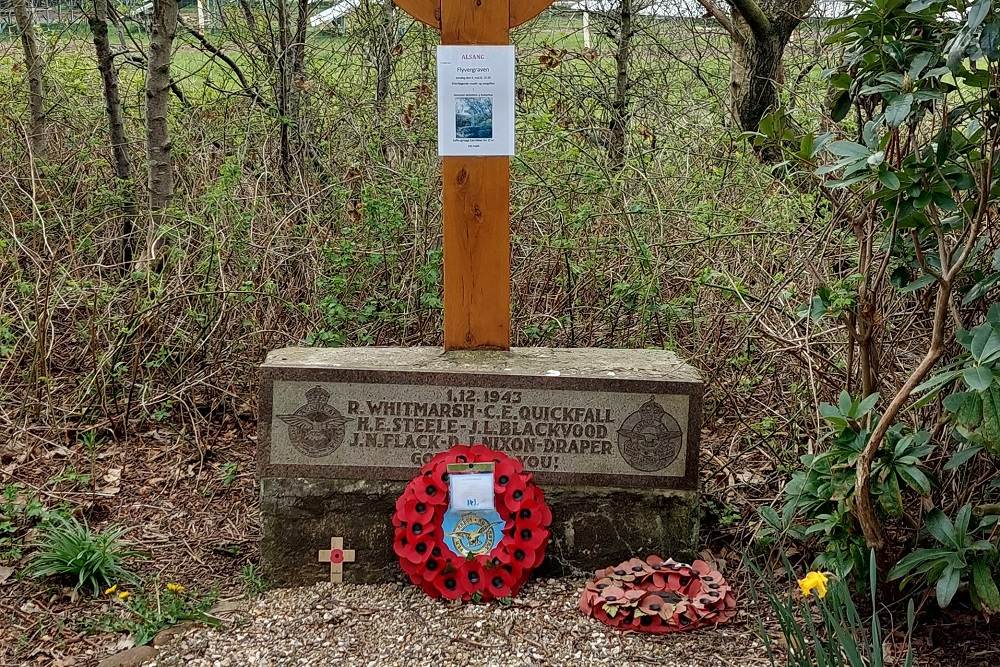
<point x="960" y="557"/>
<point x="69" y="549"/>
<point x="19" y="511"/>
<point x="819" y="497"/>
<point x="910" y="176"/>
<point x="229" y="471"/>
<point x="72" y="476"/>
<point x="975" y="408"/>
<point x="826" y="629"/>
<point x="146" y="614"/>
<point x="253" y="581"/>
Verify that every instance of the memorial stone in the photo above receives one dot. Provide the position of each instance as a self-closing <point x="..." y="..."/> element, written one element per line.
<point x="611" y="435"/>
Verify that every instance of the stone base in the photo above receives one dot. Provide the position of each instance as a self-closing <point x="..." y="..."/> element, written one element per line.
<point x="592" y="527"/>
<point x="611" y="436"/>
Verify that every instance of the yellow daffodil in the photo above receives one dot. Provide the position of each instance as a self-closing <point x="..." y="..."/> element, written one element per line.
<point x="175" y="588"/>
<point x="112" y="590"/>
<point x="814" y="582"/>
<point x="124" y="595"/>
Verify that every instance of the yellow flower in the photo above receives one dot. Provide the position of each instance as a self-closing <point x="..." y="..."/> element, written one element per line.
<point x="112" y="590"/>
<point x="124" y="595"/>
<point x="175" y="588"/>
<point x="814" y="582"/>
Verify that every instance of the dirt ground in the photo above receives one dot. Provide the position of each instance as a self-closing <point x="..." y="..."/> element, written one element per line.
<point x="191" y="506"/>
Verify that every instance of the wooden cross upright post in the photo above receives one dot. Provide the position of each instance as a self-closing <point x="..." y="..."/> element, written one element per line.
<point x="476" y="190"/>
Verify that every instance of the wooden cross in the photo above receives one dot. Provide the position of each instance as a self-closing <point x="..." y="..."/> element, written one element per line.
<point x="336" y="556"/>
<point x="476" y="190"/>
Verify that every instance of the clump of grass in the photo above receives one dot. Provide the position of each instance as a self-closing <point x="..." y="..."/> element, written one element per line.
<point x="68" y="549"/>
<point x="253" y="581"/>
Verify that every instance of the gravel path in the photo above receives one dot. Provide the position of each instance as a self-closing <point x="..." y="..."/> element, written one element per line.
<point x="389" y="625"/>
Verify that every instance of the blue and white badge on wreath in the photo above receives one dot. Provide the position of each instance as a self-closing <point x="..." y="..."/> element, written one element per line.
<point x="471" y="526"/>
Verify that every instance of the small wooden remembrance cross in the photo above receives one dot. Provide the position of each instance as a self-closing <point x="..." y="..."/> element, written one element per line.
<point x="476" y="190"/>
<point x="336" y="556"/>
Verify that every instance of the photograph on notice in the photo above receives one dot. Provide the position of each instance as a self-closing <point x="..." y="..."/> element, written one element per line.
<point x="474" y="117"/>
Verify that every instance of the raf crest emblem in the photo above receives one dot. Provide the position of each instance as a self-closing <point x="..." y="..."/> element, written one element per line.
<point x="649" y="439"/>
<point x="317" y="428"/>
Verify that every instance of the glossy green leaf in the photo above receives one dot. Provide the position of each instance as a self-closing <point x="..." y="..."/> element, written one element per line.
<point x="889" y="179"/>
<point x="841" y="106"/>
<point x="980" y="8"/>
<point x="898" y="110"/>
<point x="770" y="516"/>
<point x="845" y="403"/>
<point x="989" y="430"/>
<point x="962" y="520"/>
<point x="867" y="404"/>
<point x="959" y="402"/>
<point x="984" y="586"/>
<point x="978" y="378"/>
<point x="961" y="457"/>
<point x="947" y="585"/>
<point x="940" y="527"/>
<point x="844" y="148"/>
<point x="990" y="351"/>
<point x="981" y="288"/>
<point x="916" y="479"/>
<point x="913" y="560"/>
<point x="989" y="40"/>
<point x="936" y="382"/>
<point x="919" y="63"/>
<point x="891" y="498"/>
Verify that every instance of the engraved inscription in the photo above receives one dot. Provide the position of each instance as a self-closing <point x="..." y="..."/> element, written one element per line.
<point x="549" y="430"/>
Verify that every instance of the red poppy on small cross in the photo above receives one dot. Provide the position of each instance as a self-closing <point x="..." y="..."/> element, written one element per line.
<point x="336" y="556"/>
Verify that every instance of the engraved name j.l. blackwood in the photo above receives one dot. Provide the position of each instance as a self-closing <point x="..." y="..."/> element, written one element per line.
<point x="650" y="438"/>
<point x="317" y="428"/>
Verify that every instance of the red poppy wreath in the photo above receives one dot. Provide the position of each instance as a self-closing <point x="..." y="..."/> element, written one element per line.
<point x="420" y="539"/>
<point x="658" y="596"/>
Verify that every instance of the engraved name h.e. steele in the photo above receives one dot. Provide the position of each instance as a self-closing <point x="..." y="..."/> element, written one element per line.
<point x="583" y="417"/>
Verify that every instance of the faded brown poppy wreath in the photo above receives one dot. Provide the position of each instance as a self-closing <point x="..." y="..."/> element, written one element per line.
<point x="433" y="567"/>
<point x="658" y="596"/>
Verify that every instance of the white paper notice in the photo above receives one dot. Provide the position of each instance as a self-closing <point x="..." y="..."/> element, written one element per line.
<point x="475" y="100"/>
<point x="471" y="491"/>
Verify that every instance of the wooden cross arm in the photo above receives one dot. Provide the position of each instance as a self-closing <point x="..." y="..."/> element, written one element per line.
<point x="429" y="11"/>
<point x="324" y="556"/>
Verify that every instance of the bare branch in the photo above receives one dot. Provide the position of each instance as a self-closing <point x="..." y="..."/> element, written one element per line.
<point x="721" y="17"/>
<point x="755" y="17"/>
<point x="221" y="55"/>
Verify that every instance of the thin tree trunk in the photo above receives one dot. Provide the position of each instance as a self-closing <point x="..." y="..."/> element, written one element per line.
<point x="98" y="20"/>
<point x="301" y="24"/>
<point x="158" y="147"/>
<point x="298" y="80"/>
<point x="284" y="89"/>
<point x="385" y="62"/>
<point x="620" y="108"/>
<point x="38" y="138"/>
